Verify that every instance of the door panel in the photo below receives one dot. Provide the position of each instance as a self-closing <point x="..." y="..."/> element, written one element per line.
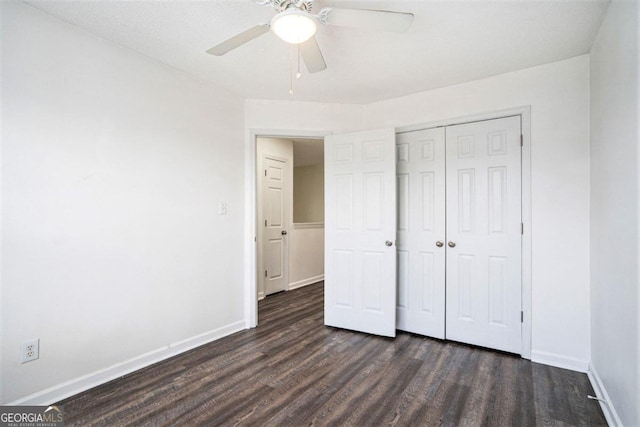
<point x="483" y="303"/>
<point x="421" y="223"/>
<point x="275" y="215"/>
<point x="360" y="291"/>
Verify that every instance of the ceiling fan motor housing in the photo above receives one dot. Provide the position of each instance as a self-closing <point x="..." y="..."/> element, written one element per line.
<point x="281" y="5"/>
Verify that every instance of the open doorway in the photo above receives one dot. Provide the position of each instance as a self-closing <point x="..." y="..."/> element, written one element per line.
<point x="289" y="213"/>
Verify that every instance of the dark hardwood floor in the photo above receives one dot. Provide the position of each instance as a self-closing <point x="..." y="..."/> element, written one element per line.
<point x="293" y="371"/>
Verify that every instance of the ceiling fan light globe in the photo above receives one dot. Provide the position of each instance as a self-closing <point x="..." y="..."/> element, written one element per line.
<point x="294" y="26"/>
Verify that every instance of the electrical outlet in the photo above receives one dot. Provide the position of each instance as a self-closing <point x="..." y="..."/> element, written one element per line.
<point x="30" y="350"/>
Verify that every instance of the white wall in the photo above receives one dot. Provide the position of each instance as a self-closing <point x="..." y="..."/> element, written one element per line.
<point x="310" y="117"/>
<point x="615" y="197"/>
<point x="114" y="254"/>
<point x="308" y="193"/>
<point x="558" y="94"/>
<point x="307" y="255"/>
<point x="307" y="247"/>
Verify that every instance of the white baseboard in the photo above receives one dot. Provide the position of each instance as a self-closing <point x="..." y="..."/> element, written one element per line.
<point x="85" y="382"/>
<point x="305" y="282"/>
<point x="608" y="409"/>
<point x="560" y="361"/>
<point x="260" y="296"/>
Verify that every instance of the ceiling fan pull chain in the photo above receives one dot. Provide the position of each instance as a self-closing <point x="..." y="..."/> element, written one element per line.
<point x="298" y="74"/>
<point x="290" y="69"/>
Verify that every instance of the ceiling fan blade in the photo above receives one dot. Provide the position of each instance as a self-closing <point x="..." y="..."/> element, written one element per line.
<point x="365" y="19"/>
<point x="312" y="56"/>
<point x="239" y="39"/>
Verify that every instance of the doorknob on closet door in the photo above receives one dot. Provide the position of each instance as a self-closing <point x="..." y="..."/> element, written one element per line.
<point x="439" y="243"/>
<point x="452" y="244"/>
<point x="388" y="243"/>
<point x="284" y="232"/>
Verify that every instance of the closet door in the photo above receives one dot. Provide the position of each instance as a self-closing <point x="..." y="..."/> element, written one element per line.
<point x="420" y="184"/>
<point x="483" y="304"/>
<point x="360" y="231"/>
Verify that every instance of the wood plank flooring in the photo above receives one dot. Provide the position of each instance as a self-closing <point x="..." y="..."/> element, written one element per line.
<point x="294" y="371"/>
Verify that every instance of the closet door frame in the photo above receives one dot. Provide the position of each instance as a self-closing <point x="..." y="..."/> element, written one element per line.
<point x="525" y="119"/>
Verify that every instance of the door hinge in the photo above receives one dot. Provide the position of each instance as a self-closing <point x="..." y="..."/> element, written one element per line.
<point x="522" y="317"/>
<point x="265" y="172"/>
<point x="521" y="140"/>
<point x="265" y="222"/>
<point x="265" y="273"/>
<point x="522" y="228"/>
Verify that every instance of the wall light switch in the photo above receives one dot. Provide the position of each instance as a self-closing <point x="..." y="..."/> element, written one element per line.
<point x="223" y="208"/>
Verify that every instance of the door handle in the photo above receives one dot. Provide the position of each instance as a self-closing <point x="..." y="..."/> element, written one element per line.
<point x="283" y="232"/>
<point x="452" y="244"/>
<point x="388" y="243"/>
<point x="439" y="243"/>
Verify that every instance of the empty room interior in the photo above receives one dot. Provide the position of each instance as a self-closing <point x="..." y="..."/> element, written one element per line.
<point x="289" y="212"/>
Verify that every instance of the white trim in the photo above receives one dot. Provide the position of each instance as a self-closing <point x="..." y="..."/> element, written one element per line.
<point x="301" y="225"/>
<point x="525" y="113"/>
<point x="560" y="361"/>
<point x="306" y="282"/>
<point x="250" y="212"/>
<point x="85" y="382"/>
<point x="608" y="409"/>
<point x="527" y="249"/>
<point x="250" y="233"/>
<point x="490" y="115"/>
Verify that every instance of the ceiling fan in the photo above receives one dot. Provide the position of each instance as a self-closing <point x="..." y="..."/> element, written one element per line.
<point x="296" y="24"/>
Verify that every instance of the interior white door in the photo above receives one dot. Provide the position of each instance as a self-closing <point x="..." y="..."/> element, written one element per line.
<point x="420" y="163"/>
<point x="483" y="304"/>
<point x="275" y="225"/>
<point x="360" y="231"/>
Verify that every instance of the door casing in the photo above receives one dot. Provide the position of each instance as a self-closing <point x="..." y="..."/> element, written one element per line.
<point x="250" y="248"/>
<point x="250" y="256"/>
<point x="525" y="115"/>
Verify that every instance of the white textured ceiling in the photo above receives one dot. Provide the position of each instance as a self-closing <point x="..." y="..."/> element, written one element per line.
<point x="449" y="42"/>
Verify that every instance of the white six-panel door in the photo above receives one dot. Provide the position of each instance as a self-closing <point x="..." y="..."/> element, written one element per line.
<point x="275" y="221"/>
<point x="483" y="302"/>
<point x="360" y="230"/>
<point x="469" y="289"/>
<point x="458" y="215"/>
<point x="420" y="169"/>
